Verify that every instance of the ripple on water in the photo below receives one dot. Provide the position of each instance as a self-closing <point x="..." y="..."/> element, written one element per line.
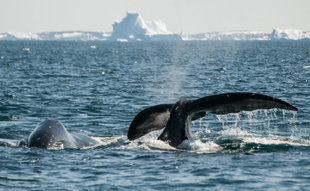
<point x="98" y="87"/>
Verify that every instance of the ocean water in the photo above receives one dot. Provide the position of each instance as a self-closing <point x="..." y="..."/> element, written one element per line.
<point x="97" y="88"/>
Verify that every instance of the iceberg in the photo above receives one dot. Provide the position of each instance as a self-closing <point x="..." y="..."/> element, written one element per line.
<point x="233" y="35"/>
<point x="289" y="34"/>
<point x="56" y="36"/>
<point x="134" y="28"/>
<point x="15" y="36"/>
<point x="276" y="34"/>
<point x="144" y="34"/>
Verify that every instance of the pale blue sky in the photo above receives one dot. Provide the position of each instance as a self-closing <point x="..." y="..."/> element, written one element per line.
<point x="187" y="16"/>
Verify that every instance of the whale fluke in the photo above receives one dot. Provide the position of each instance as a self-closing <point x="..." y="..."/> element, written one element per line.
<point x="150" y="119"/>
<point x="176" y="118"/>
<point x="236" y="102"/>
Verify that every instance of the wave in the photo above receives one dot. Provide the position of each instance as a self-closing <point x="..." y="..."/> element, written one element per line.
<point x="229" y="141"/>
<point x="8" y="142"/>
<point x="245" y="132"/>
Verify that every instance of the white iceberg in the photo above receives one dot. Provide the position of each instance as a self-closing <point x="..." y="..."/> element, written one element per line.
<point x="289" y="34"/>
<point x="233" y="35"/>
<point x="134" y="27"/>
<point x="276" y="34"/>
<point x="3" y="36"/>
<point x="62" y="35"/>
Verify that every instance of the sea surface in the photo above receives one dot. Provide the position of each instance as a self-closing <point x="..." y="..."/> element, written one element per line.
<point x="97" y="88"/>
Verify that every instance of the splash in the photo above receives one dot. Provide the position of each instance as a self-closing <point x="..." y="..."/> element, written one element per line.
<point x="197" y="146"/>
<point x="152" y="144"/>
<point x="103" y="142"/>
<point x="261" y="127"/>
<point x="241" y="132"/>
<point x="276" y="140"/>
<point x="107" y="141"/>
<point x="263" y="118"/>
<point x="149" y="143"/>
<point x="8" y="142"/>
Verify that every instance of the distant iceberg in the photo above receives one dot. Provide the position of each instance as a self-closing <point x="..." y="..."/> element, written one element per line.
<point x="134" y="28"/>
<point x="289" y="34"/>
<point x="56" y="36"/>
<point x="233" y="35"/>
<point x="277" y="34"/>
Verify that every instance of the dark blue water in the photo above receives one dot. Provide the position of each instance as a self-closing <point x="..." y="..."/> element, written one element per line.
<point x="98" y="87"/>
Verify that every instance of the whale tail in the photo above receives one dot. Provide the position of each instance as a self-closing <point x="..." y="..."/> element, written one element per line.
<point x="236" y="102"/>
<point x="148" y="120"/>
<point x="157" y="117"/>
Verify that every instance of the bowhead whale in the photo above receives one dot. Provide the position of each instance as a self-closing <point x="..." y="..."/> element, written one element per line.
<point x="51" y="133"/>
<point x="176" y="118"/>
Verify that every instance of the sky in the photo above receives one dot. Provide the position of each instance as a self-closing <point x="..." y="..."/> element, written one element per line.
<point x="180" y="16"/>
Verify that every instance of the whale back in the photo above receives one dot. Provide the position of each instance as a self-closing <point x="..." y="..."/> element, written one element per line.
<point x="48" y="133"/>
